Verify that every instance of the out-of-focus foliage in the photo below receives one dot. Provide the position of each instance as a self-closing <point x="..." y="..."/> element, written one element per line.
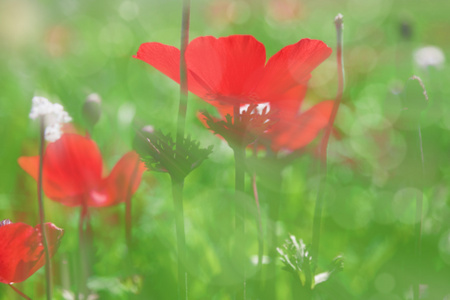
<point x="65" y="50"/>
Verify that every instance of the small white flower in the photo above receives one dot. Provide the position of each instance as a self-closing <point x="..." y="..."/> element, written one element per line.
<point x="53" y="115"/>
<point x="429" y="56"/>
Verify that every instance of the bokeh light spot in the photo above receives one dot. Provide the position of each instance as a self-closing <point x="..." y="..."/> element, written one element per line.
<point x="384" y="283"/>
<point x="404" y="205"/>
<point x="444" y="247"/>
<point x="116" y="39"/>
<point x="128" y="10"/>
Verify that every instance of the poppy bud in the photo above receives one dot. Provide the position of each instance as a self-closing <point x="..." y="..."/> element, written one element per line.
<point x="406" y="30"/>
<point x="92" y="109"/>
<point x="141" y="140"/>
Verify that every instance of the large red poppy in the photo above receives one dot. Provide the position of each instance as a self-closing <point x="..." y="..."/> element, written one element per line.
<point x="21" y="249"/>
<point x="72" y="173"/>
<point x="233" y="70"/>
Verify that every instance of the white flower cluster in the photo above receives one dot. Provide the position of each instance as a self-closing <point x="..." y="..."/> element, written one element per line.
<point x="429" y="56"/>
<point x="53" y="115"/>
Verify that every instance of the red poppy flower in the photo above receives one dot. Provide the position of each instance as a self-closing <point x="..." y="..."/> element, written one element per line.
<point x="233" y="70"/>
<point x="294" y="131"/>
<point x="72" y="173"/>
<point x="21" y="249"/>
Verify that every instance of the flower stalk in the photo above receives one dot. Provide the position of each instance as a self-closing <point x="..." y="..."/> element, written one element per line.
<point x="128" y="214"/>
<point x="259" y="221"/>
<point x="275" y="197"/>
<point x="178" y="180"/>
<point x="323" y="147"/>
<point x="48" y="276"/>
<point x="19" y="292"/>
<point x="418" y="223"/>
<point x="83" y="242"/>
<point x="240" y="207"/>
<point x="419" y="198"/>
<point x="177" y="193"/>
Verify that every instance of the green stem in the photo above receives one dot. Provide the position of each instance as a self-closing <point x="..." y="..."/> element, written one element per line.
<point x="418" y="229"/>
<point x="260" y="236"/>
<point x="323" y="148"/>
<point x="177" y="193"/>
<point x="19" y="292"/>
<point x="418" y="224"/>
<point x="178" y="179"/>
<point x="182" y="108"/>
<point x="240" y="207"/>
<point x="419" y="200"/>
<point x="82" y="290"/>
<point x="259" y="221"/>
<point x="239" y="159"/>
<point x="275" y="198"/>
<point x="128" y="214"/>
<point x="240" y="214"/>
<point x="48" y="275"/>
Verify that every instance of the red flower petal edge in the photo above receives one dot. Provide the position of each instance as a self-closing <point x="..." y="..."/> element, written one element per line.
<point x="21" y="249"/>
<point x="295" y="133"/>
<point x="122" y="182"/>
<point x="232" y="70"/>
<point x="72" y="173"/>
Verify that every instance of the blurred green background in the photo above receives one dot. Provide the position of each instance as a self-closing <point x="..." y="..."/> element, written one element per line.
<point x="67" y="49"/>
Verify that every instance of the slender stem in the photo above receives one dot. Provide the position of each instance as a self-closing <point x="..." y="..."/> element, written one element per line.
<point x="48" y="275"/>
<point x="128" y="215"/>
<point x="418" y="224"/>
<point x="182" y="108"/>
<point x="239" y="178"/>
<point x="240" y="207"/>
<point x="324" y="144"/>
<point x="419" y="200"/>
<point x="178" y="179"/>
<point x="275" y="198"/>
<point x="260" y="234"/>
<point x="259" y="221"/>
<point x="83" y="253"/>
<point x="240" y="215"/>
<point x="19" y="292"/>
<point x="177" y="192"/>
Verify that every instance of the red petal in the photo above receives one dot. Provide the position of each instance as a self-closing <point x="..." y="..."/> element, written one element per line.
<point x="291" y="66"/>
<point x="226" y="69"/>
<point x="121" y="183"/>
<point x="165" y="59"/>
<point x="53" y="235"/>
<point x="288" y="105"/>
<point x="30" y="164"/>
<point x="302" y="130"/>
<point x="21" y="250"/>
<point x="72" y="167"/>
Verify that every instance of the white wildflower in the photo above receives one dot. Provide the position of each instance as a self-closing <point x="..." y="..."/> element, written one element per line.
<point x="53" y="115"/>
<point x="429" y="56"/>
